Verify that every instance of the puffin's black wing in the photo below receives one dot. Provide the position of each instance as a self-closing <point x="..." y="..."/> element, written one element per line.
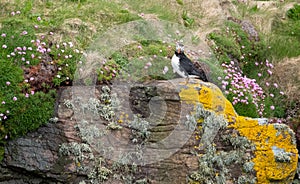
<point x="190" y="68"/>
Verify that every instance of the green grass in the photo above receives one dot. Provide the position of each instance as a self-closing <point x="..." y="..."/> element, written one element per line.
<point x="285" y="39"/>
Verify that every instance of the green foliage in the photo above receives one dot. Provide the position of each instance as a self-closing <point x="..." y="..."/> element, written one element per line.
<point x="294" y="13"/>
<point x="233" y="43"/>
<point x="285" y="38"/>
<point x="188" y="21"/>
<point x="108" y="71"/>
<point x="15" y="38"/>
<point x="27" y="114"/>
<point x="248" y="110"/>
<point x="180" y="2"/>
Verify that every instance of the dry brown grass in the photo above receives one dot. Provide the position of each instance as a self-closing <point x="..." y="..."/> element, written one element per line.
<point x="287" y="75"/>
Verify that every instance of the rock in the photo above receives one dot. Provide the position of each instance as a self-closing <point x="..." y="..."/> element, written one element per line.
<point x="159" y="132"/>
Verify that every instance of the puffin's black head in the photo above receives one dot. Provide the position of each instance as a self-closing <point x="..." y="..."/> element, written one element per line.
<point x="179" y="48"/>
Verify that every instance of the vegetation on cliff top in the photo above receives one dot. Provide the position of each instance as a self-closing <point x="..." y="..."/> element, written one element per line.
<point x="42" y="43"/>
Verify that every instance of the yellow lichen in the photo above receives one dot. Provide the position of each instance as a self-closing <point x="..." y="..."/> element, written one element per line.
<point x="264" y="136"/>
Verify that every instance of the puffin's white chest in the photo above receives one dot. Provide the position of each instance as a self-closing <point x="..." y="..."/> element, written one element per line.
<point x="176" y="66"/>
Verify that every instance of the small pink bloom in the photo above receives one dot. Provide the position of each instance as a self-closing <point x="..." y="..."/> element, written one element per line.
<point x="219" y="78"/>
<point x="139" y="47"/>
<point x="149" y="64"/>
<point x="24" y="33"/>
<point x="13" y="13"/>
<point x="272" y="95"/>
<point x="32" y="92"/>
<point x="4" y="46"/>
<point x="31" y="78"/>
<point x="275" y="85"/>
<point x="259" y="74"/>
<point x="18" y="12"/>
<point x="3" y="35"/>
<point x="3" y="102"/>
<point x="272" y="107"/>
<point x="26" y="95"/>
<point x="39" y="18"/>
<point x="281" y="92"/>
<point x="267" y="84"/>
<point x="15" y="98"/>
<point x="8" y="83"/>
<point x="270" y="72"/>
<point x="166" y="69"/>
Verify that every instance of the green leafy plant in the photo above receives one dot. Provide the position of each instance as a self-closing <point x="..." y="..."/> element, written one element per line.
<point x="294" y="13"/>
<point x="188" y="21"/>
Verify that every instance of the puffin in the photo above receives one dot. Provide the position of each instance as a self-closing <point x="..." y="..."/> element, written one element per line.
<point x="184" y="67"/>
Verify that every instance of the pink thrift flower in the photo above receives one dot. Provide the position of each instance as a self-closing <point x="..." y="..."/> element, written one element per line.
<point x="166" y="69"/>
<point x="272" y="95"/>
<point x="275" y="85"/>
<point x="3" y="102"/>
<point x="267" y="84"/>
<point x="3" y="35"/>
<point x="13" y="13"/>
<point x="270" y="72"/>
<point x="259" y="74"/>
<point x="281" y="92"/>
<point x="18" y="12"/>
<point x="4" y="46"/>
<point x="15" y="98"/>
<point x="8" y="83"/>
<point x="272" y="107"/>
<point x="26" y="95"/>
<point x="32" y="92"/>
<point x="39" y="18"/>
<point x="139" y="47"/>
<point x="149" y="64"/>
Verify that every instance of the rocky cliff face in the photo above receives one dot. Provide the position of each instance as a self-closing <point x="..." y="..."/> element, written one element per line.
<point x="160" y="132"/>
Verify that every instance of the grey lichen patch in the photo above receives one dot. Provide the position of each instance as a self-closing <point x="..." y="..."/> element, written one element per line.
<point x="248" y="167"/>
<point x="99" y="173"/>
<point x="114" y="126"/>
<point x="68" y="104"/>
<point x="216" y="164"/>
<point x="281" y="128"/>
<point x="79" y="151"/>
<point x="89" y="132"/>
<point x="246" y="180"/>
<point x="140" y="129"/>
<point x="53" y="120"/>
<point x="281" y="155"/>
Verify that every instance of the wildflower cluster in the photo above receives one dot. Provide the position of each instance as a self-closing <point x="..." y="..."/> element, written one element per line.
<point x="242" y="88"/>
<point x="245" y="90"/>
<point x="30" y="67"/>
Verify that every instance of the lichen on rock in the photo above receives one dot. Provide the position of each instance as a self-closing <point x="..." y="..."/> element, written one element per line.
<point x="275" y="155"/>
